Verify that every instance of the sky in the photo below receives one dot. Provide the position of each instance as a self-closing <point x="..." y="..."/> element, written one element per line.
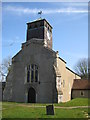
<point x="69" y="22"/>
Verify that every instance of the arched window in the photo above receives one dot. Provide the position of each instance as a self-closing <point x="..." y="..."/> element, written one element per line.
<point x="32" y="73"/>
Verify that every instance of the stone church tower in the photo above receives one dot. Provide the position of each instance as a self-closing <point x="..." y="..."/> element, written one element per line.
<point x="38" y="74"/>
<point x="40" y="29"/>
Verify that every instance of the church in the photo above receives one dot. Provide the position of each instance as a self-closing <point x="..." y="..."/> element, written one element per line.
<point x="38" y="74"/>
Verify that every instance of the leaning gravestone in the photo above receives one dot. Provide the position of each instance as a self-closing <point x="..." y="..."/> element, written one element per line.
<point x="50" y="110"/>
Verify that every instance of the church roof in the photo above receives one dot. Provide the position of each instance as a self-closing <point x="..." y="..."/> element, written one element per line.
<point x="62" y="60"/>
<point x="72" y="71"/>
<point x="81" y="84"/>
<point x="40" y="19"/>
<point x="36" y="41"/>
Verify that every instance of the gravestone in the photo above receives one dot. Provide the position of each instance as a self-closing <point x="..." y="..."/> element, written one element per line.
<point x="50" y="110"/>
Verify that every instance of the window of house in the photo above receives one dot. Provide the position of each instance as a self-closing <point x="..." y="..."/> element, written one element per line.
<point x="82" y="93"/>
<point x="36" y="73"/>
<point x="32" y="73"/>
<point x="28" y="75"/>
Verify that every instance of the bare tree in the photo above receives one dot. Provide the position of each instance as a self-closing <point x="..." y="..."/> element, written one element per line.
<point x="81" y="68"/>
<point x="5" y="67"/>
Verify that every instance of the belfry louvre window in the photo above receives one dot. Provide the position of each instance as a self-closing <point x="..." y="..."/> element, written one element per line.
<point x="32" y="73"/>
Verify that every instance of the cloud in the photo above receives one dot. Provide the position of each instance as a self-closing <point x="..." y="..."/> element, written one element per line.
<point x="22" y="10"/>
<point x="76" y="4"/>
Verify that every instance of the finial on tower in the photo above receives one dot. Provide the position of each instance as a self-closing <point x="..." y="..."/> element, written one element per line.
<point x="39" y="13"/>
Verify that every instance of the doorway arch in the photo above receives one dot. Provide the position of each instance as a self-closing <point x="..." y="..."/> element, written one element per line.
<point x="31" y="95"/>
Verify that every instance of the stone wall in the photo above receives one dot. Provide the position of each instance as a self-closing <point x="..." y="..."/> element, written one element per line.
<point x="45" y="88"/>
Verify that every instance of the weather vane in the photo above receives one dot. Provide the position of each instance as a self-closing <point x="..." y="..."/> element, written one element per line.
<point x="39" y="13"/>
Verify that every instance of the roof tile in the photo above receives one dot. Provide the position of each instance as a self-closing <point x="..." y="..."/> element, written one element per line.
<point x="81" y="84"/>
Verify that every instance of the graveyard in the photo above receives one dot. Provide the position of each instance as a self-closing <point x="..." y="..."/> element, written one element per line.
<point x="76" y="108"/>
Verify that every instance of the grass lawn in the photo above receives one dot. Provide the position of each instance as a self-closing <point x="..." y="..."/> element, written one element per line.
<point x="73" y="102"/>
<point x="22" y="110"/>
<point x="76" y="102"/>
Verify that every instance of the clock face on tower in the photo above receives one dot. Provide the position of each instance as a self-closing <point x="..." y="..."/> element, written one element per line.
<point x="48" y="35"/>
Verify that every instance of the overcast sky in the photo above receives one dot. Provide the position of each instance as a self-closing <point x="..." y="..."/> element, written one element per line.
<point x="69" y="22"/>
